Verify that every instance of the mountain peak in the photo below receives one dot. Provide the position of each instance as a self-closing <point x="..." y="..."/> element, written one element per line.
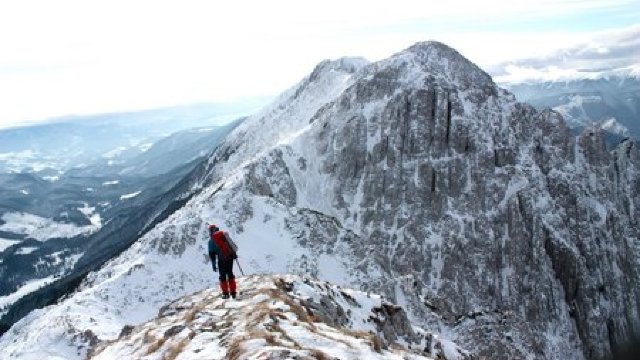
<point x="348" y="65"/>
<point x="433" y="59"/>
<point x="430" y="45"/>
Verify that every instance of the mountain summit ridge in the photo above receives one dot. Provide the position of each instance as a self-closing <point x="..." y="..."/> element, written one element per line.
<point x="434" y="53"/>
<point x="415" y="177"/>
<point x="280" y="316"/>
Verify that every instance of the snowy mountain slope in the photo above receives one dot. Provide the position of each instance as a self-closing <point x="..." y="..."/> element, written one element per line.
<point x="415" y="177"/>
<point x="162" y="242"/>
<point x="278" y="317"/>
<point x="289" y="114"/>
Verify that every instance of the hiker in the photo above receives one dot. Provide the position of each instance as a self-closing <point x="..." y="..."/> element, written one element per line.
<point x="219" y="247"/>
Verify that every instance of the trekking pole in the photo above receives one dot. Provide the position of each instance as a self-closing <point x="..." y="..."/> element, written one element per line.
<point x="239" y="267"/>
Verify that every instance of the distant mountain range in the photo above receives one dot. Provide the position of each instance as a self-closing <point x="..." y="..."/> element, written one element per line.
<point x="612" y="102"/>
<point x="55" y="146"/>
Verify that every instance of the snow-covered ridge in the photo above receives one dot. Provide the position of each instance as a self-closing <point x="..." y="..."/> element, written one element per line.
<point x="121" y="292"/>
<point x="289" y="114"/>
<point x="279" y="317"/>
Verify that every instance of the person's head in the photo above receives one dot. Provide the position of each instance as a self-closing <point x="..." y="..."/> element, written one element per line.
<point x="212" y="228"/>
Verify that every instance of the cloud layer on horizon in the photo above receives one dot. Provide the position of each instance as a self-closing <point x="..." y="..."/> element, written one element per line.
<point x="609" y="53"/>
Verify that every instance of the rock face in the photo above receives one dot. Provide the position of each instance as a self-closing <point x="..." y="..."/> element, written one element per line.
<point x="492" y="209"/>
<point x="499" y="220"/>
<point x="415" y="177"/>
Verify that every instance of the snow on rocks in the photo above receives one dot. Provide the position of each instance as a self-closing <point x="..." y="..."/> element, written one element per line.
<point x="279" y="317"/>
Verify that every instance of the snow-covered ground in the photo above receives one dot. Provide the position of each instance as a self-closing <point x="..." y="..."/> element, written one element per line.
<point x="92" y="215"/>
<point x="146" y="146"/>
<point x="26" y="250"/>
<point x="55" y="259"/>
<point x="30" y="160"/>
<point x="280" y="317"/>
<point x="43" y="229"/>
<point x="58" y="258"/>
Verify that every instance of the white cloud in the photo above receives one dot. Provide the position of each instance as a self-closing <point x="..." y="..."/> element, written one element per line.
<point x="86" y="56"/>
<point x="612" y="52"/>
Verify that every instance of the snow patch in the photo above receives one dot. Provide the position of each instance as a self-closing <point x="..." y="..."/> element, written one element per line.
<point x="129" y="196"/>
<point x="6" y="243"/>
<point x="59" y="258"/>
<point x="115" y="152"/>
<point x="26" y="250"/>
<point x="91" y="214"/>
<point x="26" y="288"/>
<point x="515" y="185"/>
<point x="612" y="125"/>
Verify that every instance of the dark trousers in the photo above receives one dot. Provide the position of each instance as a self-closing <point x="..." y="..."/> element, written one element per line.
<point x="226" y="270"/>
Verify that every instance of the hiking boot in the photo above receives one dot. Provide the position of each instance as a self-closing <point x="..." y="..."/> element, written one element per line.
<point x="233" y="294"/>
<point x="225" y="295"/>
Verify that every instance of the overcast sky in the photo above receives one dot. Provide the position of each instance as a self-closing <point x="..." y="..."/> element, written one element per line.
<point x="82" y="56"/>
